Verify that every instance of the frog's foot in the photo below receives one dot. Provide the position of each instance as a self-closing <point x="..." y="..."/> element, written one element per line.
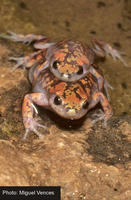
<point x="25" y="62"/>
<point x="19" y="62"/>
<point x="101" y="116"/>
<point x="32" y="125"/>
<point x="101" y="47"/>
<point x="26" y="39"/>
<point x="106" y="86"/>
<point x="114" y="53"/>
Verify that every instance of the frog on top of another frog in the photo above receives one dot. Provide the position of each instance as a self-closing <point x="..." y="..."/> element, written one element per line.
<point x="68" y="60"/>
<point x="64" y="79"/>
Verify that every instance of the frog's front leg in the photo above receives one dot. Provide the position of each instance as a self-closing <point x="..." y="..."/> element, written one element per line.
<point x="100" y="48"/>
<point x="28" y="110"/>
<point x="98" y="97"/>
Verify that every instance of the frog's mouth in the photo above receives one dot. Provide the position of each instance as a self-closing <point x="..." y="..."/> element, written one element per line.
<point x="68" y="113"/>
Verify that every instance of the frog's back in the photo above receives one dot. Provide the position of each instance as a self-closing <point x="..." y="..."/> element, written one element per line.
<point x="47" y="82"/>
<point x="44" y="81"/>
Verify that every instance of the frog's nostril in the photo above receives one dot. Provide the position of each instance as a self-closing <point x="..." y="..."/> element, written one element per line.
<point x="66" y="75"/>
<point x="57" y="100"/>
<point x="80" y="70"/>
<point x="55" y="64"/>
<point x="85" y="104"/>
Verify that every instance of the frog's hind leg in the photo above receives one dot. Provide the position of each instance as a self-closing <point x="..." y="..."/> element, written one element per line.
<point x="40" y="41"/>
<point x="26" y="39"/>
<point x="101" y="48"/>
<point x="43" y="45"/>
<point x="29" y="61"/>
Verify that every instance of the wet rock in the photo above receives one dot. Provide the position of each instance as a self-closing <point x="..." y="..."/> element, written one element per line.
<point x="89" y="163"/>
<point x="13" y="170"/>
<point x="62" y="158"/>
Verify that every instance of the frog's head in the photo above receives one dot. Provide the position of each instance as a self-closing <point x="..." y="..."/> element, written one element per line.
<point x="69" y="100"/>
<point x="69" y="61"/>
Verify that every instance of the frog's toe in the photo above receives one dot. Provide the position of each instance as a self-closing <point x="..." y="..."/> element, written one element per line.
<point x="19" y="37"/>
<point x="13" y="36"/>
<point x="19" y="62"/>
<point x="98" y="116"/>
<point x="101" y="116"/>
<point x="115" y="54"/>
<point x="10" y="36"/>
<point x="33" y="127"/>
<point x="26" y="39"/>
<point x="106" y="86"/>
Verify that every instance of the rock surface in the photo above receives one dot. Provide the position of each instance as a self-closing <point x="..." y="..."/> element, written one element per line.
<point x="88" y="162"/>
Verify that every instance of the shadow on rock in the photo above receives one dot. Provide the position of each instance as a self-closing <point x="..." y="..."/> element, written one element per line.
<point x="110" y="145"/>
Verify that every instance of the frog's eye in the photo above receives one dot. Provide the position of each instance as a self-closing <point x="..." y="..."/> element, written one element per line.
<point x="57" y="100"/>
<point x="85" y="104"/>
<point x="80" y="70"/>
<point x="55" y="64"/>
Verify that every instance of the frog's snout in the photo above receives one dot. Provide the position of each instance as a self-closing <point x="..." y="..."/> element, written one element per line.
<point x="64" y="109"/>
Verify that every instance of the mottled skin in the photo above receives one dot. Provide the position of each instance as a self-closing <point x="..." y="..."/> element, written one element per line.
<point x="68" y="60"/>
<point x="67" y="99"/>
<point x="63" y="79"/>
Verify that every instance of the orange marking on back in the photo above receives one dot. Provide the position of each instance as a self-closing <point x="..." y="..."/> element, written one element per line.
<point x="82" y="93"/>
<point x="60" y="56"/>
<point x="31" y="60"/>
<point x="38" y="57"/>
<point x="79" y="61"/>
<point x="58" y="88"/>
<point x="82" y="60"/>
<point x="85" y="60"/>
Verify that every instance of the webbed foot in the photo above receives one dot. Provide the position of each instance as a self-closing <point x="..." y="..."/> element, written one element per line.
<point x="32" y="126"/>
<point x="101" y="47"/>
<point x="19" y="62"/>
<point x="114" y="53"/>
<point x="26" y="39"/>
<point x="101" y="116"/>
<point x="106" y="85"/>
<point x="25" y="62"/>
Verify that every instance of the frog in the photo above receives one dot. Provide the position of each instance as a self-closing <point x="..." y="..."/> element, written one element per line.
<point x="69" y="100"/>
<point x="68" y="60"/>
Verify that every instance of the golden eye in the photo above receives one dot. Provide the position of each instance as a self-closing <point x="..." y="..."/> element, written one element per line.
<point x="57" y="100"/>
<point x="80" y="70"/>
<point x="55" y="64"/>
<point x="85" y="104"/>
